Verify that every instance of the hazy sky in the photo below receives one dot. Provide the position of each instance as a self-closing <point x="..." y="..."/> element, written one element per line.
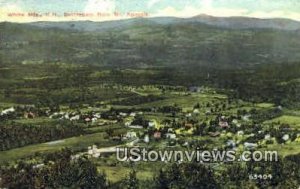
<point x="179" y="8"/>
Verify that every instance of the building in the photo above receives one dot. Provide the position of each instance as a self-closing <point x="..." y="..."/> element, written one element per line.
<point x="286" y="137"/>
<point x="7" y="111"/>
<point x="151" y="124"/>
<point x="135" y="126"/>
<point x="146" y="139"/>
<point x="171" y="136"/>
<point x="157" y="135"/>
<point x="130" y="135"/>
<point x="250" y="146"/>
<point x="223" y="124"/>
<point x="29" y="115"/>
<point x="93" y="151"/>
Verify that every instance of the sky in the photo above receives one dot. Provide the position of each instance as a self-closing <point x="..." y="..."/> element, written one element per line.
<point x="101" y="10"/>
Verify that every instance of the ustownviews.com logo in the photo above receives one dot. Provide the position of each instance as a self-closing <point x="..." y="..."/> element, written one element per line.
<point x="142" y="154"/>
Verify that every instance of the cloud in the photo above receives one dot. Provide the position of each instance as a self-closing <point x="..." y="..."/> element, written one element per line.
<point x="109" y="6"/>
<point x="171" y="11"/>
<point x="190" y="11"/>
<point x="9" y="8"/>
<point x="206" y="4"/>
<point x="152" y="2"/>
<point x="275" y="14"/>
<point x="103" y="6"/>
<point x="207" y="8"/>
<point x="92" y="8"/>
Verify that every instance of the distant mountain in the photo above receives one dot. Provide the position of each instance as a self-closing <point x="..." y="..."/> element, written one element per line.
<point x="201" y="40"/>
<point x="106" y="25"/>
<point x="223" y="22"/>
<point x="247" y="22"/>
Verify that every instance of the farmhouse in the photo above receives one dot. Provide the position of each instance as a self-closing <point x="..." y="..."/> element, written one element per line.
<point x="250" y="146"/>
<point x="223" y="124"/>
<point x="151" y="124"/>
<point x="29" y="115"/>
<point x="171" y="136"/>
<point x="130" y="135"/>
<point x="132" y="114"/>
<point x="135" y="126"/>
<point x="7" y="111"/>
<point x="157" y="135"/>
<point x="146" y="139"/>
<point x="93" y="151"/>
<point x="267" y="137"/>
<point x="196" y="111"/>
<point x="286" y="137"/>
<point x="75" y="118"/>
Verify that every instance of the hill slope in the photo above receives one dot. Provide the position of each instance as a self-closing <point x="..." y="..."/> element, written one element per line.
<point x="153" y="42"/>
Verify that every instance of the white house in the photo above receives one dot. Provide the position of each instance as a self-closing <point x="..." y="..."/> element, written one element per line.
<point x="75" y="118"/>
<point x="208" y="112"/>
<point x="7" y="111"/>
<point x="188" y="115"/>
<point x="93" y="151"/>
<point x="54" y="115"/>
<point x="231" y="143"/>
<point x="136" y="127"/>
<point x="151" y="124"/>
<point x="127" y="123"/>
<point x="67" y="116"/>
<point x="235" y="121"/>
<point x="246" y="117"/>
<point x="185" y="143"/>
<point x="170" y="130"/>
<point x="267" y="137"/>
<point x="123" y="114"/>
<point x="132" y="114"/>
<point x="249" y="146"/>
<point x="196" y="111"/>
<point x="97" y="115"/>
<point x="38" y="166"/>
<point x="146" y="139"/>
<point x="94" y="119"/>
<point x="130" y="135"/>
<point x="171" y="136"/>
<point x="286" y="137"/>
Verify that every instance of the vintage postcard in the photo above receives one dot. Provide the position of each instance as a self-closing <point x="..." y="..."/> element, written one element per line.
<point x="155" y="94"/>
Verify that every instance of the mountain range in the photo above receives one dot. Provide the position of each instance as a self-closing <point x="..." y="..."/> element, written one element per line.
<point x="165" y="41"/>
<point x="225" y="22"/>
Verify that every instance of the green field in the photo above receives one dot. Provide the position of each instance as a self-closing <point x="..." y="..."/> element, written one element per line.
<point x="75" y="143"/>
<point x="293" y="121"/>
<point x="118" y="173"/>
<point x="185" y="101"/>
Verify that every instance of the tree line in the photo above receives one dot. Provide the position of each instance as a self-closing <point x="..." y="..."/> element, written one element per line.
<point x="60" y="170"/>
<point x="13" y="135"/>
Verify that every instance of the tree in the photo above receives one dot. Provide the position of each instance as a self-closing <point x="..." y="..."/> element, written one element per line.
<point x="197" y="106"/>
<point x="161" y="181"/>
<point x="59" y="171"/>
<point x="131" y="182"/>
<point x="109" y="132"/>
<point x="88" y="176"/>
<point x="189" y="175"/>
